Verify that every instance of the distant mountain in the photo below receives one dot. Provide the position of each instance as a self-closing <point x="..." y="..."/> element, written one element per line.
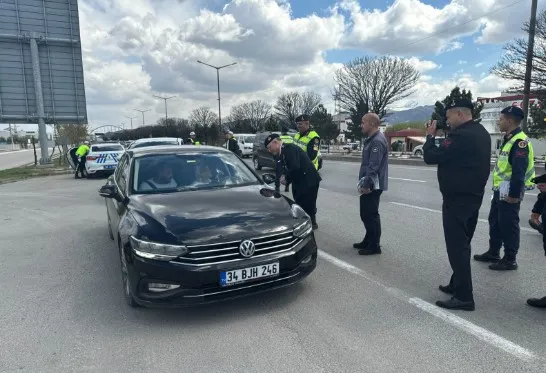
<point x="417" y="114"/>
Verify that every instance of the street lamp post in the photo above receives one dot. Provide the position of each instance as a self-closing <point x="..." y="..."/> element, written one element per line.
<point x="142" y="112"/>
<point x="218" y="82"/>
<point x="165" y="99"/>
<point x="131" y="118"/>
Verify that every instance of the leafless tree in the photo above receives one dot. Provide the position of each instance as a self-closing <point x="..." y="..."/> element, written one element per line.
<point x="292" y="104"/>
<point x="203" y="117"/>
<point x="205" y="122"/>
<point x="512" y="64"/>
<point x="255" y="112"/>
<point x="377" y="81"/>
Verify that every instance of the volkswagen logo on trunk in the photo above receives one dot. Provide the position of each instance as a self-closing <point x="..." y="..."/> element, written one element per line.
<point x="246" y="248"/>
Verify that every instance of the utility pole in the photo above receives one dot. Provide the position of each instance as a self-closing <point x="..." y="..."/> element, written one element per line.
<point x="218" y="81"/>
<point x="165" y="99"/>
<point x="131" y="118"/>
<point x="529" y="65"/>
<point x="142" y="112"/>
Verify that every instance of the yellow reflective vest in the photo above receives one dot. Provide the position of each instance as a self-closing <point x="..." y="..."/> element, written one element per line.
<point x="82" y="150"/>
<point x="287" y="139"/>
<point x="303" y="142"/>
<point x="503" y="168"/>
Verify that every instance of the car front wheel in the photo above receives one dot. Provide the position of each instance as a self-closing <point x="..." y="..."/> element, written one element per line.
<point x="418" y="152"/>
<point x="126" y="281"/>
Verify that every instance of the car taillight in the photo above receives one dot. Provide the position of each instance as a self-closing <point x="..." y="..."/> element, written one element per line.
<point x="91" y="158"/>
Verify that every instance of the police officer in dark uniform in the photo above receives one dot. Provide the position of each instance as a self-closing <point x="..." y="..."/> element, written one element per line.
<point x="300" y="171"/>
<point x="513" y="174"/>
<point x="540" y="209"/>
<point x="308" y="139"/>
<point x="191" y="140"/>
<point x="232" y="144"/>
<point x="286" y="139"/>
<point x="464" y="164"/>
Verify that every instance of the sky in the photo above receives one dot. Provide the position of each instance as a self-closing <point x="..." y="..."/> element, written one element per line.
<point x="135" y="49"/>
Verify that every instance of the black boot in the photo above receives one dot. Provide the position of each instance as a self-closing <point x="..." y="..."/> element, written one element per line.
<point x="360" y="245"/>
<point x="456" y="304"/>
<point x="488" y="256"/>
<point x="504" y="265"/>
<point x="535" y="302"/>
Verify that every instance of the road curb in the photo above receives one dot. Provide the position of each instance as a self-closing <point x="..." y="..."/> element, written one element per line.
<point x="539" y="168"/>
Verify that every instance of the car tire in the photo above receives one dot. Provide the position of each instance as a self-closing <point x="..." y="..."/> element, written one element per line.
<point x="257" y="164"/>
<point x="418" y="152"/>
<point x="126" y="281"/>
<point x="110" y="233"/>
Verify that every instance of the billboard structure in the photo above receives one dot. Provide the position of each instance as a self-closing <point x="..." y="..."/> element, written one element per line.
<point x="41" y="69"/>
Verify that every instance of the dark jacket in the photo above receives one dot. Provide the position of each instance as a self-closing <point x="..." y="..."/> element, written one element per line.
<point x="298" y="168"/>
<point x="374" y="166"/>
<point x="464" y="162"/>
<point x="233" y="145"/>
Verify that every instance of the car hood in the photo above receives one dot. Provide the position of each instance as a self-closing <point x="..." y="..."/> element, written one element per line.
<point x="211" y="216"/>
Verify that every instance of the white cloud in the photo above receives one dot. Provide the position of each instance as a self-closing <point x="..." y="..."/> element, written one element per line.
<point x="134" y="49"/>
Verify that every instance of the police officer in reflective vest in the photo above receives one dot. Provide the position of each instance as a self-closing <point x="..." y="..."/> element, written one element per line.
<point x="192" y="140"/>
<point x="286" y="139"/>
<point x="307" y="139"/>
<point x="513" y="175"/>
<point x="81" y="155"/>
<point x="539" y="209"/>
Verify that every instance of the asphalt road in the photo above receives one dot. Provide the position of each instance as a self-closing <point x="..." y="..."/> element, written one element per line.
<point x="19" y="158"/>
<point x="62" y="306"/>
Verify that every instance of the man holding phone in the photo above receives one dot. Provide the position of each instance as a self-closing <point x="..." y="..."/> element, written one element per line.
<point x="464" y="164"/>
<point x="513" y="174"/>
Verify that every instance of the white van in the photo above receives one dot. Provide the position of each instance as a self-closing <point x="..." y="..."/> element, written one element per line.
<point x="246" y="143"/>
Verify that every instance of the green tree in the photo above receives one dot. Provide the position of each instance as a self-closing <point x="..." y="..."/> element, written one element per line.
<point x="456" y="94"/>
<point x="354" y="131"/>
<point x="537" y="113"/>
<point x="272" y="124"/>
<point x="323" y="123"/>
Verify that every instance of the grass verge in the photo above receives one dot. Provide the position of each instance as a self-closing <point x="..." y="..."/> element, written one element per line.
<point x="26" y="172"/>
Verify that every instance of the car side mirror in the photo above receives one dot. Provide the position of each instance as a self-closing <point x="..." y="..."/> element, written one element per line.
<point x="269" y="178"/>
<point x="110" y="191"/>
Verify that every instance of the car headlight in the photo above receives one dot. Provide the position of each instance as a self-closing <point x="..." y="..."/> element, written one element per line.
<point x="157" y="251"/>
<point x="304" y="229"/>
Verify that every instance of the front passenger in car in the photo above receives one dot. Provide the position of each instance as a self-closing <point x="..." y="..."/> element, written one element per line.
<point x="163" y="179"/>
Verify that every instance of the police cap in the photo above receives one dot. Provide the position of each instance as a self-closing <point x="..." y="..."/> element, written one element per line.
<point x="539" y="179"/>
<point x="303" y="118"/>
<point x="463" y="103"/>
<point x="513" y="111"/>
<point x="270" y="138"/>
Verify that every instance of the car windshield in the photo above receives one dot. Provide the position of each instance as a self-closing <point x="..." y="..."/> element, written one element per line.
<point x="166" y="173"/>
<point x="107" y="148"/>
<point x="154" y="143"/>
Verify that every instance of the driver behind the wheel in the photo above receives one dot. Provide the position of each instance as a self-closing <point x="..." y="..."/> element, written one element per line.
<point x="204" y="174"/>
<point x="163" y="179"/>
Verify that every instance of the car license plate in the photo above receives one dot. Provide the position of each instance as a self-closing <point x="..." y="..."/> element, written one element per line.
<point x="108" y="167"/>
<point x="246" y="274"/>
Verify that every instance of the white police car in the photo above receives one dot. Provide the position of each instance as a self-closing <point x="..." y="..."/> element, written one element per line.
<point x="102" y="158"/>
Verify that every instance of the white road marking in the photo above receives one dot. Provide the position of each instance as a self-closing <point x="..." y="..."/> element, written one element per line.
<point x="415" y="181"/>
<point x="449" y="318"/>
<point x="475" y="330"/>
<point x="439" y="212"/>
<point x="326" y="190"/>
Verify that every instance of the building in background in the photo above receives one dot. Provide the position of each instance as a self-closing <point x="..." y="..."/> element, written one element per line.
<point x="490" y="115"/>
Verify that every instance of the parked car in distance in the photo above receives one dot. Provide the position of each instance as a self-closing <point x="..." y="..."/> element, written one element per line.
<point x="418" y="150"/>
<point x="262" y="158"/>
<point x="155" y="141"/>
<point x="102" y="158"/>
<point x="246" y="143"/>
<point x="197" y="225"/>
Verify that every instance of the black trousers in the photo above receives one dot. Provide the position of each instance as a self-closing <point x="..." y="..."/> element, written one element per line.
<point x="460" y="219"/>
<point x="306" y="197"/>
<point x="369" y="214"/>
<point x="81" y="166"/>
<point x="504" y="227"/>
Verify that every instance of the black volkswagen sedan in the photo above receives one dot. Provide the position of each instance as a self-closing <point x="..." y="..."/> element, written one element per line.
<point x="197" y="225"/>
